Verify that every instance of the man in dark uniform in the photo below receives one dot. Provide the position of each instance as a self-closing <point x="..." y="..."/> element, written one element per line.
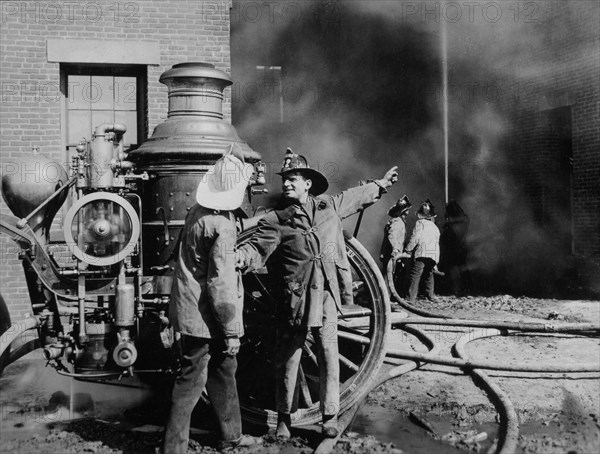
<point x="306" y="236"/>
<point x="454" y="249"/>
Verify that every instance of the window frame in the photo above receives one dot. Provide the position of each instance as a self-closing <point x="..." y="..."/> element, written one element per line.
<point x="140" y="72"/>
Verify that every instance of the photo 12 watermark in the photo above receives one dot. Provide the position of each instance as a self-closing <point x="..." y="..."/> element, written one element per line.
<point x="33" y="172"/>
<point x="277" y="12"/>
<point x="471" y="92"/>
<point x="469" y="12"/>
<point x="41" y="12"/>
<point x="77" y="94"/>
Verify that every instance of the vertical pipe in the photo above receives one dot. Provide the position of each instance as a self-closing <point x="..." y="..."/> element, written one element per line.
<point x="444" y="50"/>
<point x="81" y="299"/>
<point x="278" y="68"/>
<point x="140" y="272"/>
<point x="124" y="305"/>
<point x="121" y="276"/>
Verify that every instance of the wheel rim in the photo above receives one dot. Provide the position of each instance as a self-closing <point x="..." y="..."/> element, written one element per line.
<point x="362" y="332"/>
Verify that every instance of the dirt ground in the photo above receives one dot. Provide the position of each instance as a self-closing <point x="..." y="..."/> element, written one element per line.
<point x="433" y="409"/>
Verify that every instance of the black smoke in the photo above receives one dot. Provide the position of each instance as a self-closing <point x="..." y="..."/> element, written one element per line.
<point x="362" y="89"/>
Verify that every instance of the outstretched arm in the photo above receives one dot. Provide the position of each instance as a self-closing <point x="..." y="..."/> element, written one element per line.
<point x="390" y="177"/>
<point x="353" y="199"/>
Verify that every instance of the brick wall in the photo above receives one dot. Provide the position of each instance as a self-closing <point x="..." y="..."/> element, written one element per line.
<point x="572" y="81"/>
<point x="31" y="104"/>
<point x="567" y="84"/>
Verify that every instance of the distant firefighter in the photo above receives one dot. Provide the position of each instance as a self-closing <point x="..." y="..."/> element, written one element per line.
<point x="394" y="231"/>
<point x="392" y="245"/>
<point x="424" y="246"/>
<point x="454" y="249"/>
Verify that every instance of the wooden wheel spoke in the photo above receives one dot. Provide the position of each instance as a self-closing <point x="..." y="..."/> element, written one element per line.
<point x="364" y="340"/>
<point x="354" y="312"/>
<point x="351" y="329"/>
<point x="362" y="324"/>
<point x="349" y="364"/>
<point x="309" y="353"/>
<point x="304" y="387"/>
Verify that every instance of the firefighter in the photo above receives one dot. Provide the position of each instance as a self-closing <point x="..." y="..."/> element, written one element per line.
<point x="305" y="237"/>
<point x="424" y="247"/>
<point x="206" y="308"/>
<point x="454" y="249"/>
<point x="392" y="245"/>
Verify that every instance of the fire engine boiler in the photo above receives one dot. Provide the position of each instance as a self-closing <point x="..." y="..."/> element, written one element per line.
<point x="105" y="294"/>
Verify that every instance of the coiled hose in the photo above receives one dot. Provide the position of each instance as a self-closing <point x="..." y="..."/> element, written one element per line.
<point x="509" y="422"/>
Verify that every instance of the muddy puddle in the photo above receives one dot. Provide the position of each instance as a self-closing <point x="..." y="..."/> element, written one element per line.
<point x="410" y="435"/>
<point x="34" y="398"/>
<point x="391" y="426"/>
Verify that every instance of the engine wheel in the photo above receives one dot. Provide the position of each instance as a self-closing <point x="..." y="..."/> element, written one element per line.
<point x="362" y="332"/>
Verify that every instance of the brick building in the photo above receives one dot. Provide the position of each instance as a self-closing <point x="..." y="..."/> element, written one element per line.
<point x="556" y="142"/>
<point x="68" y="66"/>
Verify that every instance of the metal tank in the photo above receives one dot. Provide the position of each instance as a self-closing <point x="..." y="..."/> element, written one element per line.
<point x="181" y="149"/>
<point x="31" y="187"/>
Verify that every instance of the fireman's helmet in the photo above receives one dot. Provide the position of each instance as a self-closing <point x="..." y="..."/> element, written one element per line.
<point x="426" y="210"/>
<point x="401" y="206"/>
<point x="223" y="186"/>
<point x="296" y="163"/>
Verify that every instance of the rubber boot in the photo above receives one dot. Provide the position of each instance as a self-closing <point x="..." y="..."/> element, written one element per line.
<point x="284" y="422"/>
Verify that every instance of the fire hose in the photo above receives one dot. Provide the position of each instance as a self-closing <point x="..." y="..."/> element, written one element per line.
<point x="508" y="437"/>
<point x="508" y="440"/>
<point x="509" y="422"/>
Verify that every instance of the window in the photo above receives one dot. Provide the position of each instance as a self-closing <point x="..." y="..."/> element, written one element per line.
<point x="104" y="94"/>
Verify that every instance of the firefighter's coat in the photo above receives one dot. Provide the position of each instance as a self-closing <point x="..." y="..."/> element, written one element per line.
<point x="311" y="252"/>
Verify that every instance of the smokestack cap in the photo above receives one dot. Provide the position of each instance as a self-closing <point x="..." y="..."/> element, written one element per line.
<point x="197" y="70"/>
<point x="194" y="132"/>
